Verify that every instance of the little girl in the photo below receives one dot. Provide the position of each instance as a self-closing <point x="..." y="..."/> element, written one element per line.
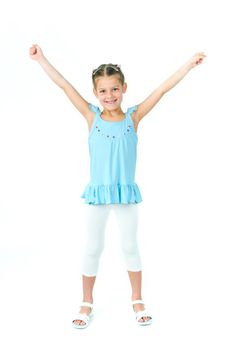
<point x="112" y="147"/>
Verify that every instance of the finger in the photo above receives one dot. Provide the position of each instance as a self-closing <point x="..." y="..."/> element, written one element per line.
<point x="32" y="50"/>
<point x="35" y="46"/>
<point x="202" y="54"/>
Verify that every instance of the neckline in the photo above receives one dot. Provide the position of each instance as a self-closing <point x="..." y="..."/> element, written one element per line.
<point x="110" y="121"/>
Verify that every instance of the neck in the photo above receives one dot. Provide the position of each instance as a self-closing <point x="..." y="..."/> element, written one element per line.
<point x="116" y="114"/>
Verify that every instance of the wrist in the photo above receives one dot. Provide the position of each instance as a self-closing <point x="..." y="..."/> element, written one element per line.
<point x="42" y="59"/>
<point x="188" y="66"/>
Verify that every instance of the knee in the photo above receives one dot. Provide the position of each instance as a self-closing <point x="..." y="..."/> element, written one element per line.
<point x="94" y="251"/>
<point x="132" y="257"/>
<point x="130" y="249"/>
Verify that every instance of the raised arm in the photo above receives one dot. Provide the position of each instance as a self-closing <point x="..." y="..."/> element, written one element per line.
<point x="78" y="101"/>
<point x="151" y="100"/>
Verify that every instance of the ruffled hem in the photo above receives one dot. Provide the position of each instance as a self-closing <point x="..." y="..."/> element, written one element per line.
<point x="112" y="194"/>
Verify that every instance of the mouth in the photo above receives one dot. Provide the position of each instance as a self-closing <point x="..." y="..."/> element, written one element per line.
<point x="110" y="102"/>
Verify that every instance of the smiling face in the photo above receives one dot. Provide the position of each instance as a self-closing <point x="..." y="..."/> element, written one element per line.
<point x="109" y="90"/>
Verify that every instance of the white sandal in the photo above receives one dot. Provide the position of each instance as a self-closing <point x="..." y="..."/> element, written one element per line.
<point x="83" y="316"/>
<point x="140" y="314"/>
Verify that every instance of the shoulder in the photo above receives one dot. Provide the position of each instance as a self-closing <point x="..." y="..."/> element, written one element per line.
<point x="133" y="112"/>
<point x="93" y="108"/>
<point x="93" y="111"/>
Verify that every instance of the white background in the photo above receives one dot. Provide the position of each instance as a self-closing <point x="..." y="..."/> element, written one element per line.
<point x="183" y="171"/>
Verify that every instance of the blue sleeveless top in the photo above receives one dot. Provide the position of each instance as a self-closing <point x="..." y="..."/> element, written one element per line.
<point x="113" y="152"/>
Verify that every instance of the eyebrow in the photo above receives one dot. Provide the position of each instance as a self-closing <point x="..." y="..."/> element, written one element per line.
<point x="103" y="88"/>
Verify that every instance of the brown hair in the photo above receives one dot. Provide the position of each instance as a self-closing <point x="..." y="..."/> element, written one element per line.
<point x="107" y="70"/>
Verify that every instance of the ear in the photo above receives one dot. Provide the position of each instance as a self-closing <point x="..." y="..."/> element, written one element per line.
<point x="124" y="88"/>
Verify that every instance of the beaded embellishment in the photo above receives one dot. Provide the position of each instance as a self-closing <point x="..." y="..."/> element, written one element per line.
<point x="113" y="136"/>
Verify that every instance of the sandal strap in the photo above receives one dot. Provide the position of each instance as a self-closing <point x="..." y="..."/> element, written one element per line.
<point x="82" y="317"/>
<point x="141" y="314"/>
<point x="85" y="303"/>
<point x="137" y="302"/>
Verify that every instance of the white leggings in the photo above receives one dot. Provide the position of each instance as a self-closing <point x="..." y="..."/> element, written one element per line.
<point x="96" y="217"/>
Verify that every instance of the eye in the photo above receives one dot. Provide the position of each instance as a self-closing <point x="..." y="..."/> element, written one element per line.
<point x="102" y="91"/>
<point x="115" y="89"/>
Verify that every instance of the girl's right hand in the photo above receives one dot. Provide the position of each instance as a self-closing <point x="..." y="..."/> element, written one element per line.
<point x="35" y="52"/>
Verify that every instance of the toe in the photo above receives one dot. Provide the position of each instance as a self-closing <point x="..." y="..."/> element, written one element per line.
<point x="144" y="319"/>
<point x="79" y="322"/>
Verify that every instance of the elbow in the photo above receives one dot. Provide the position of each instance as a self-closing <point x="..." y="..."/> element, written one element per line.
<point x="65" y="86"/>
<point x="162" y="91"/>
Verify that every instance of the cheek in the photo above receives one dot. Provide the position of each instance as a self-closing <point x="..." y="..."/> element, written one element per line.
<point x="118" y="93"/>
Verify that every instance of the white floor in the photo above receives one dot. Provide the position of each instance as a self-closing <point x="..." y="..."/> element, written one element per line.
<point x="186" y="287"/>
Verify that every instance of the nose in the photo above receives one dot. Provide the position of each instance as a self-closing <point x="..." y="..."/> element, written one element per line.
<point x="109" y="94"/>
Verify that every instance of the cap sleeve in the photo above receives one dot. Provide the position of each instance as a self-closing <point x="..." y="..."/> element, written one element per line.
<point x="132" y="109"/>
<point x="93" y="108"/>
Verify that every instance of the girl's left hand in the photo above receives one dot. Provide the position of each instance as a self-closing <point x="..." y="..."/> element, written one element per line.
<point x="196" y="59"/>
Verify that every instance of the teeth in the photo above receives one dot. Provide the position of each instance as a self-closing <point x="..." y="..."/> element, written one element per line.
<point x="110" y="101"/>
